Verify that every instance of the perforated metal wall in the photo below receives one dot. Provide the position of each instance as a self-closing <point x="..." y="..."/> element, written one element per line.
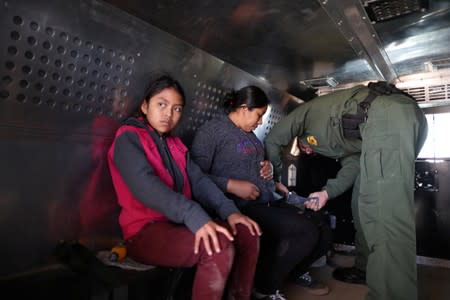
<point x="47" y="65"/>
<point x="70" y="71"/>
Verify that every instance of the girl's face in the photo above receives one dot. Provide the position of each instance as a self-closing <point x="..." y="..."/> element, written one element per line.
<point x="163" y="111"/>
<point x="250" y="119"/>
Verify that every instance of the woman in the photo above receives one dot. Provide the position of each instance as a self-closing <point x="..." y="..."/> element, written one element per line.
<point x="228" y="150"/>
<point x="155" y="181"/>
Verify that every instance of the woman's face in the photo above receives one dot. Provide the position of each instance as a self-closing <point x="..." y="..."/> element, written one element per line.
<point x="163" y="111"/>
<point x="250" y="119"/>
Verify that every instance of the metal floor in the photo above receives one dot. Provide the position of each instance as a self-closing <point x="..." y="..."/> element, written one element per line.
<point x="433" y="283"/>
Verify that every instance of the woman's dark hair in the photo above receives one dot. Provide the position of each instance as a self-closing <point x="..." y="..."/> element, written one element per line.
<point x="251" y="96"/>
<point x="159" y="83"/>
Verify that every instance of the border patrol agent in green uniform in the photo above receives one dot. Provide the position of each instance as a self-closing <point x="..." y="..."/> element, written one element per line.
<point x="376" y="133"/>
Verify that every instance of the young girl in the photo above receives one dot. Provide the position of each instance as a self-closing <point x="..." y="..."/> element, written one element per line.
<point x="155" y="182"/>
<point x="230" y="152"/>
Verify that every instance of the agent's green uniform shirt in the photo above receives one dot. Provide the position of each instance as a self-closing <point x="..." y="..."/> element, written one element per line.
<point x="321" y="118"/>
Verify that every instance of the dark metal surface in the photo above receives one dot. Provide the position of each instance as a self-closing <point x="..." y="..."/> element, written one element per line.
<point x="70" y="71"/>
<point x="433" y="212"/>
<point x="286" y="41"/>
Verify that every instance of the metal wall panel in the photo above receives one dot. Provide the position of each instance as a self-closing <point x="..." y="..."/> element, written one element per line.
<point x="433" y="210"/>
<point x="70" y="72"/>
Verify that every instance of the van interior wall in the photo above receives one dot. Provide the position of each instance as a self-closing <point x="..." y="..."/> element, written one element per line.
<point x="71" y="72"/>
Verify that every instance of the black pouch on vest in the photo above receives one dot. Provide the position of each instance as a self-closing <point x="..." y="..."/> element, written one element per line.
<point x="350" y="125"/>
<point x="351" y="122"/>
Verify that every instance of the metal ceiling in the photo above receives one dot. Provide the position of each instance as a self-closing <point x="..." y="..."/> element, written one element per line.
<point x="286" y="42"/>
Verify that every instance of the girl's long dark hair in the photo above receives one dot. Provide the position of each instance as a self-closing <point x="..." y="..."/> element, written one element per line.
<point x="159" y="83"/>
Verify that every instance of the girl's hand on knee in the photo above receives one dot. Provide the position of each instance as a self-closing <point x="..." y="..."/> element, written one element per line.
<point x="238" y="218"/>
<point x="208" y="234"/>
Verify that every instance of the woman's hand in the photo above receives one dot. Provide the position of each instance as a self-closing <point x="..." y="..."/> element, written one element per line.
<point x="320" y="200"/>
<point x="238" y="218"/>
<point x="208" y="235"/>
<point x="281" y="188"/>
<point x="243" y="189"/>
<point x="266" y="171"/>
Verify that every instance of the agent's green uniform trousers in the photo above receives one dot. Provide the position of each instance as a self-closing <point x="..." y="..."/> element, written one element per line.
<point x="391" y="138"/>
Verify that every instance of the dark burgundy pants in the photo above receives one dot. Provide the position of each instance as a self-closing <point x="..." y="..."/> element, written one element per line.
<point x="172" y="245"/>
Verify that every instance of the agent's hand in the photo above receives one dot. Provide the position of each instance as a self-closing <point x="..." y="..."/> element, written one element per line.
<point x="266" y="171"/>
<point x="243" y="189"/>
<point x="319" y="202"/>
<point x="238" y="218"/>
<point x="208" y="235"/>
<point x="281" y="188"/>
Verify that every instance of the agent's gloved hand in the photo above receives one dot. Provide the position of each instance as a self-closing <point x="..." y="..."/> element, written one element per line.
<point x="316" y="205"/>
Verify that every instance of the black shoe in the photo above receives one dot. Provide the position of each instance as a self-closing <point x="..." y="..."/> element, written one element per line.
<point x="350" y="275"/>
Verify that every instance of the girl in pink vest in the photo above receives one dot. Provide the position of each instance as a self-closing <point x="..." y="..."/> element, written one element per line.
<point x="156" y="182"/>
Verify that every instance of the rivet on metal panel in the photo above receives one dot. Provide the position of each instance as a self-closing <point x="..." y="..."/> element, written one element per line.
<point x="24" y="84"/>
<point x="34" y="26"/>
<point x="6" y="80"/>
<point x="49" y="31"/>
<point x="56" y="76"/>
<point x="61" y="50"/>
<point x="12" y="50"/>
<point x="64" y="36"/>
<point x="95" y="73"/>
<point x="76" y="107"/>
<point x="77" y="41"/>
<point x="17" y="20"/>
<point x="29" y="55"/>
<point x="51" y="103"/>
<point x="53" y="90"/>
<point x="32" y="41"/>
<point x="44" y="59"/>
<point x="89" y="45"/>
<point x="21" y="98"/>
<point x="15" y="35"/>
<point x="71" y="67"/>
<point x="59" y="63"/>
<point x="10" y="65"/>
<point x="36" y="100"/>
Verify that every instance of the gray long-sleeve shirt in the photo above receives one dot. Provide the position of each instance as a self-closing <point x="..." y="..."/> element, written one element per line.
<point x="226" y="152"/>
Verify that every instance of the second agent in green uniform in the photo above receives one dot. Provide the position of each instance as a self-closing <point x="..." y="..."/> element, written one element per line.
<point x="380" y="164"/>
